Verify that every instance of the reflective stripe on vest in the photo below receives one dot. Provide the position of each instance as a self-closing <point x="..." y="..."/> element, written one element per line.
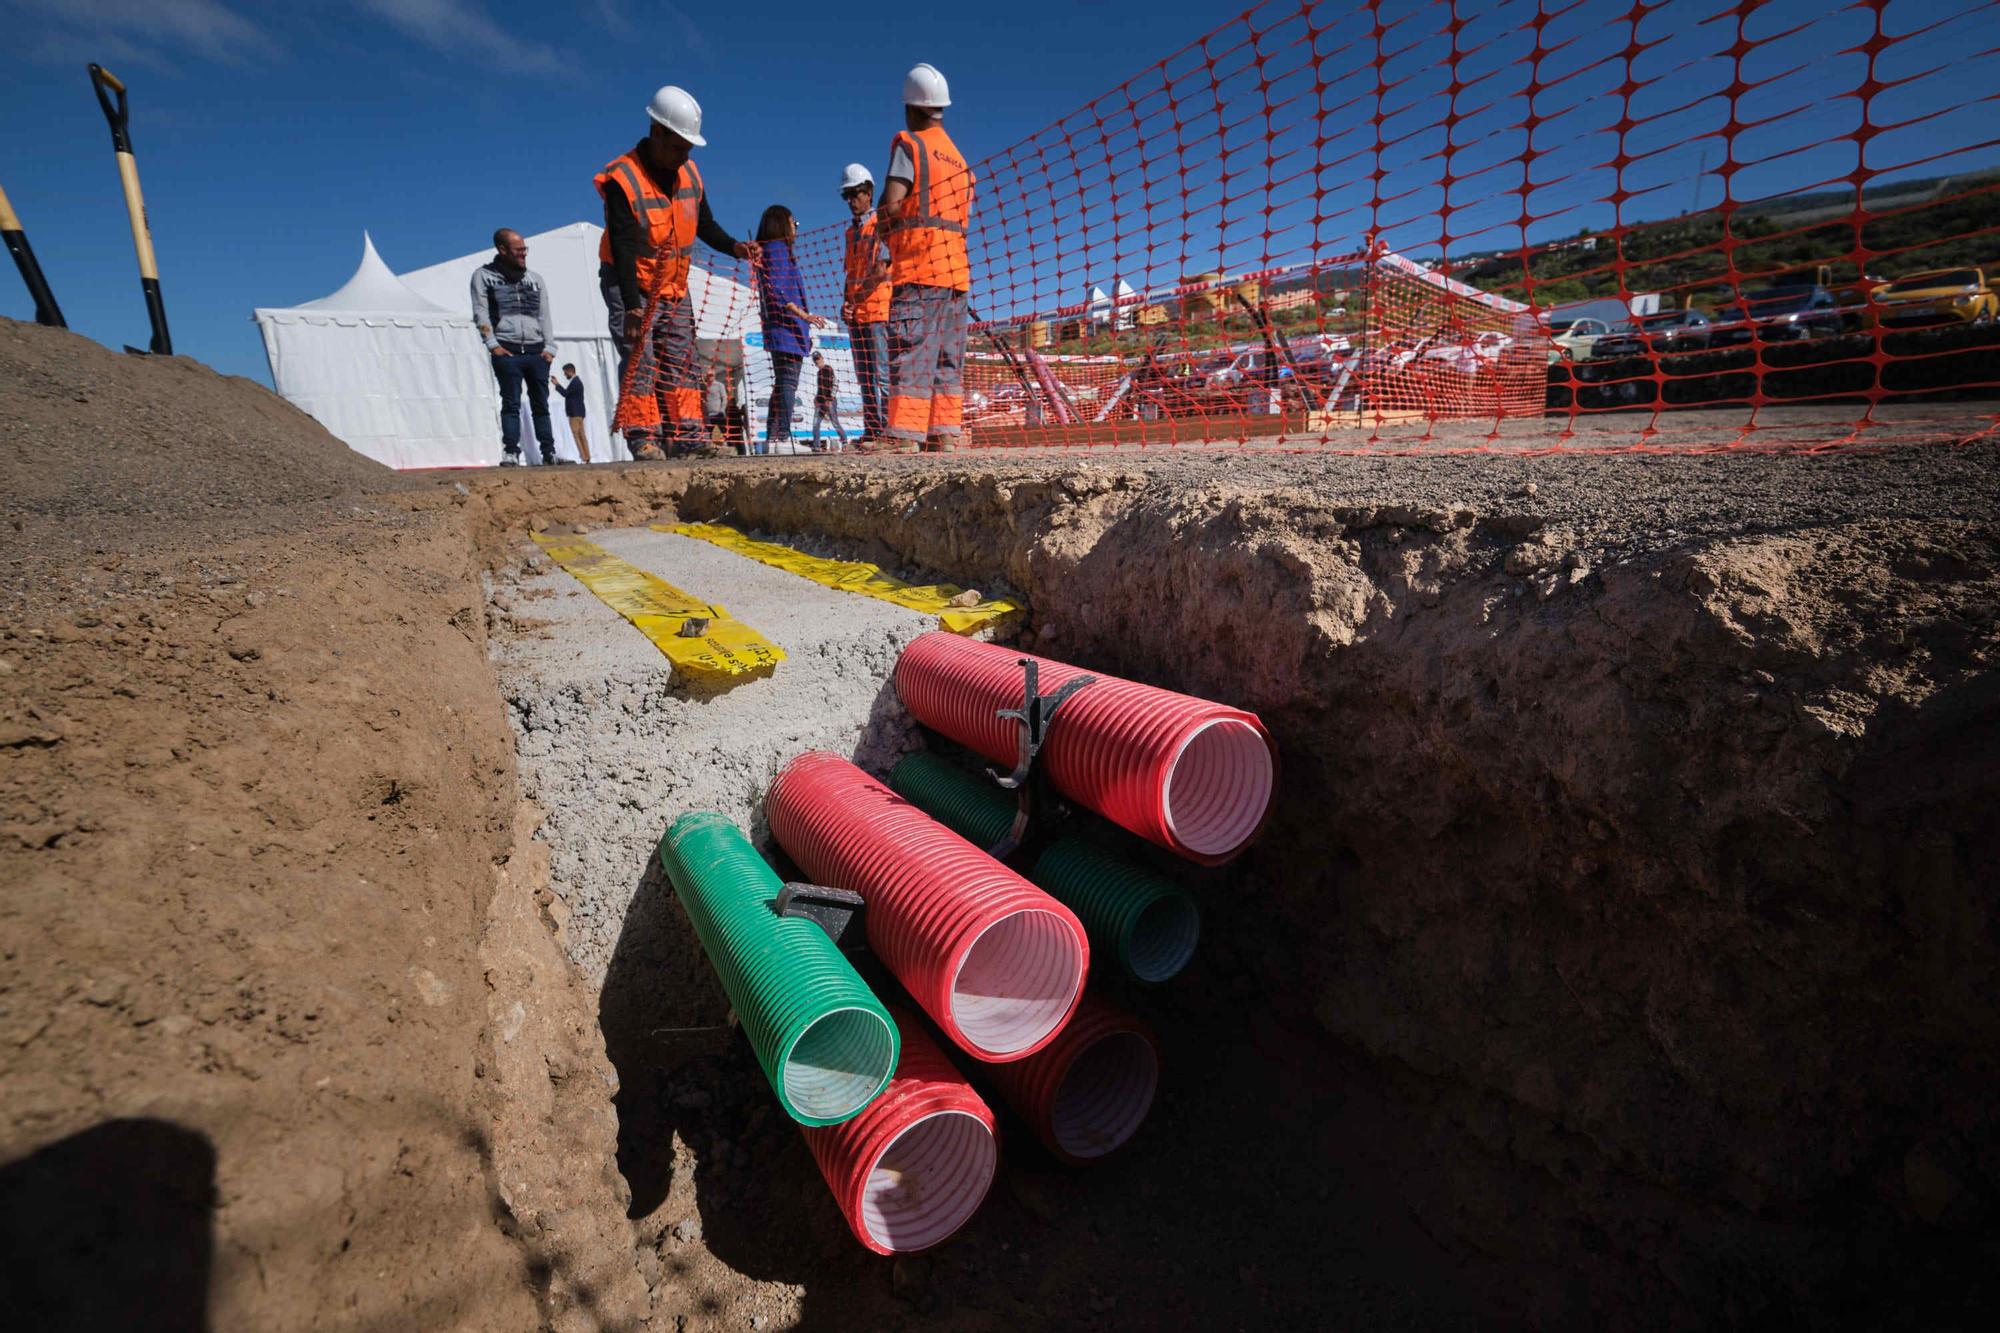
<point x="923" y="216"/>
<point x="927" y="246"/>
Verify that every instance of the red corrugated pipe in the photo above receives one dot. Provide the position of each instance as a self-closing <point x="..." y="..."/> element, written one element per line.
<point x="997" y="963"/>
<point x="915" y="1166"/>
<point x="1193" y="776"/>
<point x="1088" y="1091"/>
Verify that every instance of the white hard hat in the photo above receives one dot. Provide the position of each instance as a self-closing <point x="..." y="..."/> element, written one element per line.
<point x="923" y="86"/>
<point x="854" y="175"/>
<point x="673" y="108"/>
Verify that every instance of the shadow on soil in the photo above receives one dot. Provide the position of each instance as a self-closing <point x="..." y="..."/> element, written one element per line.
<point x="110" y="1228"/>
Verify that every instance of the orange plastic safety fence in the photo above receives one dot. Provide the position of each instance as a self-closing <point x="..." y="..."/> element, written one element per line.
<point x="1446" y="225"/>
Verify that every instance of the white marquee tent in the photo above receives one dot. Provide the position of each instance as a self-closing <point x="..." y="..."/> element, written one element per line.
<point x="395" y="376"/>
<point x="393" y="366"/>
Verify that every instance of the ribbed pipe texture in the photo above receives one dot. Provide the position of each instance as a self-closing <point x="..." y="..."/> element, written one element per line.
<point x="1089" y="1090"/>
<point x="1188" y="774"/>
<point x="914" y="1167"/>
<point x="825" y="1042"/>
<point x="969" y="804"/>
<point x="996" y="962"/>
<point x="1149" y="924"/>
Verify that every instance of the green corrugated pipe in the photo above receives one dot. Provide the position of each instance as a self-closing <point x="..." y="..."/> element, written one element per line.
<point x="969" y="805"/>
<point x="825" y="1042"/>
<point x="1147" y="923"/>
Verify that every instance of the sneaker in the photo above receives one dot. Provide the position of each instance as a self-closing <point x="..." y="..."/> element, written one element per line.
<point x="512" y="458"/>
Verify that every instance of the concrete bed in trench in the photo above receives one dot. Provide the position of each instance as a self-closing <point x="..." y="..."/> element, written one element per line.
<point x="612" y="748"/>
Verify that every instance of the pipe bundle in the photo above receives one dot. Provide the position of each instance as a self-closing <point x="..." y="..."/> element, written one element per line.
<point x="825" y="1042"/>
<point x="996" y="962"/>
<point x="1193" y="776"/>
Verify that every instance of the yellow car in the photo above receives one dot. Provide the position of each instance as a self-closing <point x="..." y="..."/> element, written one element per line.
<point x="1938" y="296"/>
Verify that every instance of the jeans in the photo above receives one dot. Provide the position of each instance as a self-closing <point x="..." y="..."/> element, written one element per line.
<point x="871" y="365"/>
<point x="516" y="363"/>
<point x="823" y="410"/>
<point x="784" y="388"/>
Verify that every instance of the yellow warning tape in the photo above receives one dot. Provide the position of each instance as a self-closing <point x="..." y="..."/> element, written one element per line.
<point x="854" y="576"/>
<point x="728" y="647"/>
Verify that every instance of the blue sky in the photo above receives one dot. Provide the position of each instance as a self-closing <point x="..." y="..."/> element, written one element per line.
<point x="270" y="135"/>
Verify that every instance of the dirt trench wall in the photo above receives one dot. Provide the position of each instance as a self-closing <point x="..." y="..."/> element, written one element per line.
<point x="1660" y="863"/>
<point x="285" y="1038"/>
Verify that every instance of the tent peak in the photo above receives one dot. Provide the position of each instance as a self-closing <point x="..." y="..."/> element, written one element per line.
<point x="375" y="289"/>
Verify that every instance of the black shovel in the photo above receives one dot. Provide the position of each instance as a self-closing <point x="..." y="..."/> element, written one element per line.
<point x="46" y="309"/>
<point x="101" y="80"/>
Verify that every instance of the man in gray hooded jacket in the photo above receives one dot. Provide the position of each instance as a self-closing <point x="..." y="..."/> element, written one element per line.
<point x="510" y="306"/>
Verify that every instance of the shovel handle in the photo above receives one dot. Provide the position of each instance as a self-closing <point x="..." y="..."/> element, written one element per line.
<point x="117" y="114"/>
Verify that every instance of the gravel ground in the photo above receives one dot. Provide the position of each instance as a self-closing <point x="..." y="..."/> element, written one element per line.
<point x="613" y="748"/>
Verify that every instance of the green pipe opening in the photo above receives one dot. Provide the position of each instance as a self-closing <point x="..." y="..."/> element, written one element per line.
<point x="824" y="1041"/>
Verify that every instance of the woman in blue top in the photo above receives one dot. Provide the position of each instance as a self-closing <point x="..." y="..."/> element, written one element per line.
<point x="781" y="301"/>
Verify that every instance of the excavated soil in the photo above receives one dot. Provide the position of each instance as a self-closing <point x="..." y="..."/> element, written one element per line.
<point x="1621" y="951"/>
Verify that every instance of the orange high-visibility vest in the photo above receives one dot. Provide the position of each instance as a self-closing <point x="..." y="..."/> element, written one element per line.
<point x="666" y="221"/>
<point x="867" y="302"/>
<point x="927" y="245"/>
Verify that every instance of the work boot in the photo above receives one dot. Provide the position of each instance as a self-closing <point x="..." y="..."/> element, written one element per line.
<point x="648" y="451"/>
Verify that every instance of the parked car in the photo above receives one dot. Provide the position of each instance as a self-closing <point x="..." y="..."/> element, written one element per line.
<point x="1776" y="314"/>
<point x="1656" y="335"/>
<point x="1575" y="339"/>
<point x="1470" y="357"/>
<point x="1941" y="296"/>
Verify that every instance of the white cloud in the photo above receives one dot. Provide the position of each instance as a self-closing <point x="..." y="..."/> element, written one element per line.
<point x="463" y="27"/>
<point x="148" y="31"/>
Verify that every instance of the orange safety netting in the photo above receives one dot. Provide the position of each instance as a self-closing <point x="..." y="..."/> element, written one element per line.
<point x="1700" y="224"/>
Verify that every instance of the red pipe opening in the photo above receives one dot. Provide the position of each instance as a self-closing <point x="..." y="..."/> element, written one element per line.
<point x="915" y="1166"/>
<point x="995" y="961"/>
<point x="1089" y="1090"/>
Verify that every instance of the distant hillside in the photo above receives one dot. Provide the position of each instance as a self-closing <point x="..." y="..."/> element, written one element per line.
<point x="1937" y="222"/>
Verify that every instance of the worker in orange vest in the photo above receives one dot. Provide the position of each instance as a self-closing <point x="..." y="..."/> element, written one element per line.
<point x="926" y="204"/>
<point x="654" y="209"/>
<point x="864" y="305"/>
